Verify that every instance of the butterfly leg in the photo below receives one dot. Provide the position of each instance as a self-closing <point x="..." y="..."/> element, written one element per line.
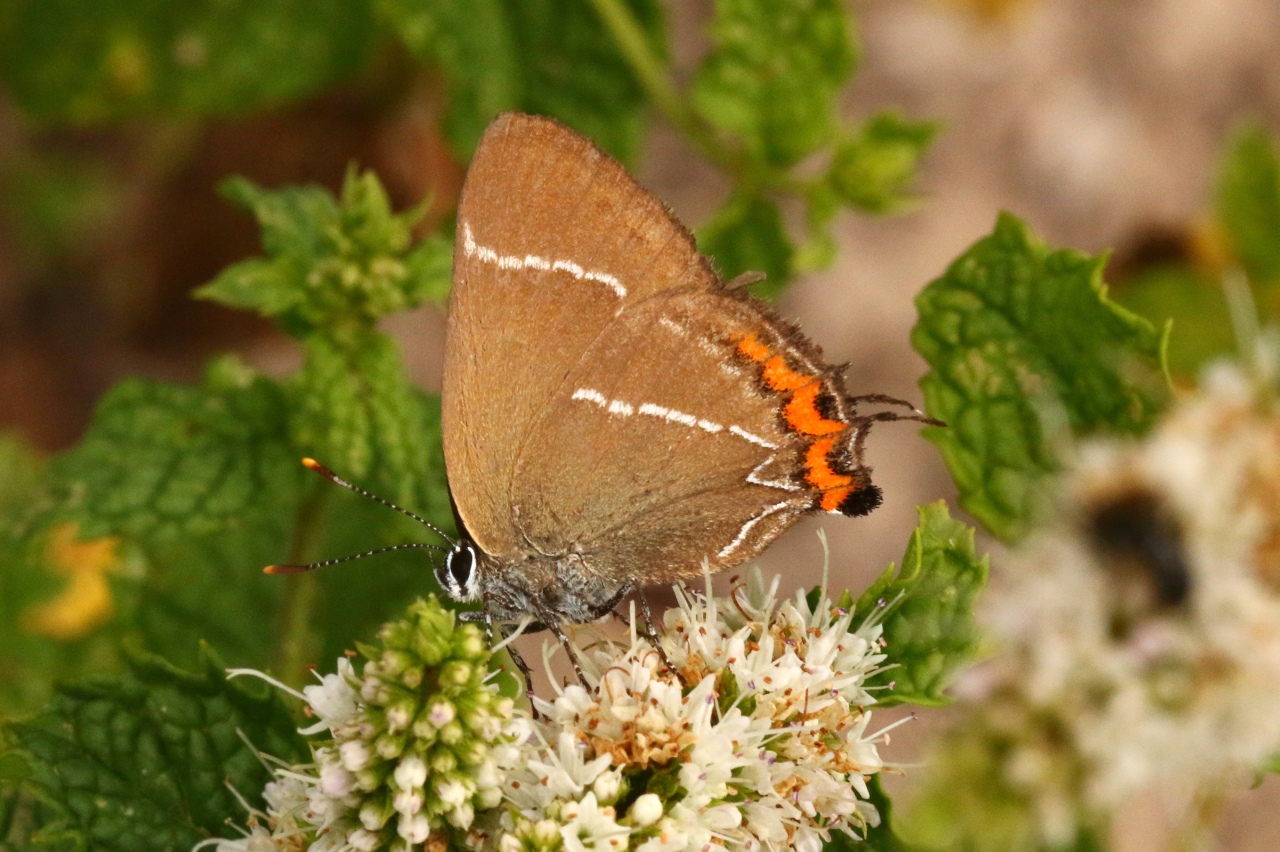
<point x="549" y="620"/>
<point x="503" y="633"/>
<point x="651" y="630"/>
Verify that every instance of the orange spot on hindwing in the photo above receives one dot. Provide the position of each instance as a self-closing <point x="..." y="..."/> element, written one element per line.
<point x="803" y="415"/>
<point x="778" y="376"/>
<point x="753" y="348"/>
<point x="811" y="412"/>
<point x="818" y="470"/>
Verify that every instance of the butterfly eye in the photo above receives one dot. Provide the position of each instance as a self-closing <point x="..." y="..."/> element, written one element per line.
<point x="458" y="574"/>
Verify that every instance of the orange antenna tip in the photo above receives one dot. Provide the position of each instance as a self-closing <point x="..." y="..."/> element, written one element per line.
<point x="284" y="569"/>
<point x="311" y="463"/>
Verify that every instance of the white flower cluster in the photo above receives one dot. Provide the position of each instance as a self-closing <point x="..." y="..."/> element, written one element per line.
<point x="415" y="742"/>
<point x="758" y="740"/>
<point x="1140" y="634"/>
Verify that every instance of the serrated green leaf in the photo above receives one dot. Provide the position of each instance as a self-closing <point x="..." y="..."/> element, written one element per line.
<point x="90" y="62"/>
<point x="164" y="460"/>
<point x="773" y="74"/>
<point x="22" y="813"/>
<point x="198" y="485"/>
<point x="872" y="167"/>
<point x="929" y="630"/>
<point x="330" y="263"/>
<point x="747" y="234"/>
<point x="1249" y="203"/>
<point x="209" y="588"/>
<point x="1017" y="337"/>
<point x="355" y="410"/>
<point x="143" y="760"/>
<point x="549" y="57"/>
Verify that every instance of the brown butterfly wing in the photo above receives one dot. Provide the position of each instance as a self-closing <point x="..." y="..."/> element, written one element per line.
<point x="554" y="241"/>
<point x="644" y="460"/>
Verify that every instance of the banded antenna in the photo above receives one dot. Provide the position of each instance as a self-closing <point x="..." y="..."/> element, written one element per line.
<point x="312" y="464"/>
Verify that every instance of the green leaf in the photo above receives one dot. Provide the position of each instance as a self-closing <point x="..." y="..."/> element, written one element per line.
<point x="773" y="75"/>
<point x="747" y="235"/>
<point x="549" y="57"/>
<point x="331" y="264"/>
<point x="22" y="813"/>
<point x="1194" y="305"/>
<point x="474" y="45"/>
<point x="19" y="480"/>
<point x="111" y="59"/>
<point x="144" y="760"/>
<point x="164" y="460"/>
<point x="355" y="410"/>
<point x="200" y="485"/>
<point x="871" y="168"/>
<point x="209" y="588"/>
<point x="1020" y="341"/>
<point x="1249" y="203"/>
<point x="929" y="630"/>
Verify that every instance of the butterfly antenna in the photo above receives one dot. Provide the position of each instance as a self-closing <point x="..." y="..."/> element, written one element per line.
<point x="312" y="464"/>
<point x="299" y="569"/>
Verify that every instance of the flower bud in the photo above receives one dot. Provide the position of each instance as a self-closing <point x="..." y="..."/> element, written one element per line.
<point x="411" y="773"/>
<point x="647" y="810"/>
<point x="414" y="829"/>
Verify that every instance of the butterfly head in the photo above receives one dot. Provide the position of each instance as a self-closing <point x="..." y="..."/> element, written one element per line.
<point x="459" y="574"/>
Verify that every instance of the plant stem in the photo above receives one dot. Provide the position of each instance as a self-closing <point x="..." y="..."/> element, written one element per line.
<point x="651" y="71"/>
<point x="299" y="642"/>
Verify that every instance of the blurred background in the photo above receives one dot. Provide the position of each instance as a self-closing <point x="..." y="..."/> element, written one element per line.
<point x="1099" y="123"/>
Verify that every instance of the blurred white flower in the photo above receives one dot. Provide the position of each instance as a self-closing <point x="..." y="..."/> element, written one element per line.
<point x="1139" y="633"/>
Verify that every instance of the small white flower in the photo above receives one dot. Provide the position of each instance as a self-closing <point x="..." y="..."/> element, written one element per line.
<point x="410" y="773"/>
<point x="782" y="763"/>
<point x="408" y="802"/>
<point x="364" y="841"/>
<point x="354" y="755"/>
<point x="335" y="781"/>
<point x="334" y="699"/>
<point x="441" y="713"/>
<point x="646" y="810"/>
<point x="414" y="829"/>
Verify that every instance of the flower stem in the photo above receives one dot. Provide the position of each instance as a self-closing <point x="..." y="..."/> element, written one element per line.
<point x="300" y="641"/>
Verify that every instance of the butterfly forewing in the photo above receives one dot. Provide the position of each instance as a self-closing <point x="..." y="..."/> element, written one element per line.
<point x="554" y="241"/>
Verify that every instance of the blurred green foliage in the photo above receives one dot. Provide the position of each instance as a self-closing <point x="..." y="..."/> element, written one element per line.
<point x="1236" y="245"/>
